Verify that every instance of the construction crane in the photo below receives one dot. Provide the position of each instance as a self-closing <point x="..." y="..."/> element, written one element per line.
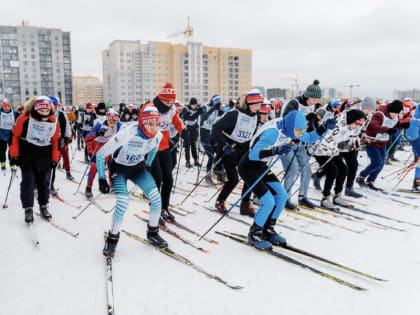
<point x="188" y="32"/>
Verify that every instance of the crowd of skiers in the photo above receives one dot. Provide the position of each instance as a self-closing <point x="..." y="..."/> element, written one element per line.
<point x="240" y="141"/>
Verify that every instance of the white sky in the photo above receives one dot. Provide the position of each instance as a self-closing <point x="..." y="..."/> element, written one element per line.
<point x="373" y="43"/>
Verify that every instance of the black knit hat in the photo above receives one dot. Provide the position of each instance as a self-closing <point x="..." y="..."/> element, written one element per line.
<point x="354" y="115"/>
<point x="313" y="91"/>
<point x="395" y="107"/>
<point x="193" y="101"/>
<point x="101" y="106"/>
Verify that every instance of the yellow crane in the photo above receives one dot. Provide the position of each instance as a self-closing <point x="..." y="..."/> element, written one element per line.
<point x="188" y="32"/>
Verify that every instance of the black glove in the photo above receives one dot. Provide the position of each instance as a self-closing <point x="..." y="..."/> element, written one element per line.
<point x="217" y="106"/>
<point x="405" y="125"/>
<point x="344" y="145"/>
<point x="15" y="161"/>
<point x="282" y="150"/>
<point x="392" y="131"/>
<point x="54" y="164"/>
<point x="103" y="186"/>
<point x="101" y="132"/>
<point x="185" y="134"/>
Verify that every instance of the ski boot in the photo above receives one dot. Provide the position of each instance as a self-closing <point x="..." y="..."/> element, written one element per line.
<point x="154" y="237"/>
<point x="220" y="176"/>
<point x="257" y="239"/>
<point x="111" y="244"/>
<point x="88" y="192"/>
<point x="416" y="186"/>
<point x="209" y="180"/>
<point x="44" y="212"/>
<point x="303" y="201"/>
<point x="351" y="193"/>
<point x="291" y="206"/>
<point x="361" y="181"/>
<point x="393" y="159"/>
<point x="53" y="191"/>
<point x="188" y="164"/>
<point x="387" y="161"/>
<point x="373" y="187"/>
<point x="271" y="235"/>
<point x="317" y="182"/>
<point x="246" y="209"/>
<point x="337" y="200"/>
<point x="69" y="176"/>
<point x="327" y="204"/>
<point x="167" y="216"/>
<point x="220" y="206"/>
<point x="196" y="163"/>
<point x="29" y="215"/>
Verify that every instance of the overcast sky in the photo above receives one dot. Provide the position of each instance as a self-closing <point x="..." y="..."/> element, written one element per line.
<point x="373" y="43"/>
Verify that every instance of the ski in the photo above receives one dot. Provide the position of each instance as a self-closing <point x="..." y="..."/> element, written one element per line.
<point x="66" y="202"/>
<point x="408" y="191"/>
<point x="325" y="221"/>
<point x="109" y="286"/>
<point x="171" y="208"/>
<point x="295" y="262"/>
<point x="187" y="229"/>
<point x="388" y="197"/>
<point x="33" y="234"/>
<point x="97" y="205"/>
<point x="170" y="253"/>
<point x="303" y="231"/>
<point x="174" y="234"/>
<point x="58" y="227"/>
<point x="228" y="215"/>
<point x="183" y="209"/>
<point x="311" y="255"/>
<point x="398" y="195"/>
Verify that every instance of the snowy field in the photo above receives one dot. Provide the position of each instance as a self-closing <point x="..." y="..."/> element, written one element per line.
<point x="66" y="275"/>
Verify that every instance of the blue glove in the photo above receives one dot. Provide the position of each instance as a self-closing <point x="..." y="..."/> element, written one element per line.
<point x="282" y="150"/>
<point x="330" y="124"/>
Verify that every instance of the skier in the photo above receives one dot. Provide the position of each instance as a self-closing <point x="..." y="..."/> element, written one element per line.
<point x="264" y="113"/>
<point x="232" y="134"/>
<point x="413" y="135"/>
<point x="34" y="149"/>
<point x="329" y="158"/>
<point x="95" y="140"/>
<point x="87" y="124"/>
<point x="208" y="117"/>
<point x="100" y="113"/>
<point x="383" y="123"/>
<point x="298" y="157"/>
<point x="274" y="138"/>
<point x="129" y="148"/>
<point x="80" y="113"/>
<point x="163" y="165"/>
<point x="190" y="117"/>
<point x="174" y="135"/>
<point x="63" y="141"/>
<point x="7" y="119"/>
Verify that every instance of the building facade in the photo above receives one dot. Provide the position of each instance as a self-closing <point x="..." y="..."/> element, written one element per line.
<point x="134" y="72"/>
<point x="279" y="94"/>
<point x="87" y="89"/>
<point x="34" y="61"/>
<point x="414" y="94"/>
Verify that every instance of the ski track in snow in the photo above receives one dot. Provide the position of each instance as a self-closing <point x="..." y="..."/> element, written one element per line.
<point x="66" y="275"/>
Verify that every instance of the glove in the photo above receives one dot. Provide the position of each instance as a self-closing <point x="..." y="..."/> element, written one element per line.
<point x="405" y="125"/>
<point x="217" y="106"/>
<point x="185" y="134"/>
<point x="101" y="132"/>
<point x="392" y="131"/>
<point x="344" y="145"/>
<point x="67" y="140"/>
<point x="227" y="150"/>
<point x="103" y="186"/>
<point x="15" y="161"/>
<point x="282" y="150"/>
<point x="330" y="124"/>
<point x="54" y="164"/>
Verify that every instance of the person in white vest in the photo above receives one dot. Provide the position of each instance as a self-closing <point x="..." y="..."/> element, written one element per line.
<point x="232" y="134"/>
<point x="7" y="119"/>
<point x="35" y="150"/>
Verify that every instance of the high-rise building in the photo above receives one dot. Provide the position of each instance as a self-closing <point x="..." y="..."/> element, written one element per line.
<point x="87" y="89"/>
<point x="34" y="61"/>
<point x="134" y="72"/>
<point x="279" y="94"/>
<point x="414" y="94"/>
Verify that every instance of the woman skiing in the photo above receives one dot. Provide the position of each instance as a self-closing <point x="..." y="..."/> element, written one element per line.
<point x="7" y="119"/>
<point x="129" y="148"/>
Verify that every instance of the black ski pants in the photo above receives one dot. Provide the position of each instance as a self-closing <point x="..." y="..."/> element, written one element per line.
<point x="162" y="173"/>
<point x="191" y="143"/>
<point x="335" y="171"/>
<point x="352" y="165"/>
<point x="3" y="149"/>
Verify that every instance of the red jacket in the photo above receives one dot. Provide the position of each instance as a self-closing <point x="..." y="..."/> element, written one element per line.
<point x="22" y="148"/>
<point x="375" y="126"/>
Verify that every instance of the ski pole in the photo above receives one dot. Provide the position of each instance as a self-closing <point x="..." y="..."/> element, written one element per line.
<point x="199" y="168"/>
<point x="240" y="198"/>
<point x="406" y="173"/>
<point x="179" y="162"/>
<point x="217" y="191"/>
<point x="201" y="180"/>
<point x="401" y="170"/>
<point x="290" y="164"/>
<point x="392" y="144"/>
<point x="87" y="206"/>
<point x="12" y="177"/>
<point x="87" y="167"/>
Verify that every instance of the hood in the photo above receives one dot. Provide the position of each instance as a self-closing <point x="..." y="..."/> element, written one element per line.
<point x="293" y="120"/>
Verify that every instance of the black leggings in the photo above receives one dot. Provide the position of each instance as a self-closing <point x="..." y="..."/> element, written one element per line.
<point x="352" y="165"/>
<point x="33" y="177"/>
<point x="3" y="149"/>
<point x="335" y="170"/>
<point x="162" y="173"/>
<point x="190" y="143"/>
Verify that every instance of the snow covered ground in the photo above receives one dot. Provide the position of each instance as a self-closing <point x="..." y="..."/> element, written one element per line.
<point x="66" y="275"/>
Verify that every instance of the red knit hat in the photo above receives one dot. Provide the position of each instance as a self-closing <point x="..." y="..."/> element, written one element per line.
<point x="167" y="93"/>
<point x="89" y="106"/>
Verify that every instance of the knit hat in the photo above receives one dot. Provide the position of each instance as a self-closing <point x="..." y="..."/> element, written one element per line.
<point x="368" y="103"/>
<point x="215" y="99"/>
<point x="355" y="115"/>
<point x="193" y="101"/>
<point x="148" y="114"/>
<point x="395" y="107"/>
<point x="42" y="102"/>
<point x="101" y="106"/>
<point x="55" y="100"/>
<point x="89" y="106"/>
<point x="254" y="97"/>
<point x="313" y="91"/>
<point x="167" y="93"/>
<point x="265" y="108"/>
<point x="112" y="115"/>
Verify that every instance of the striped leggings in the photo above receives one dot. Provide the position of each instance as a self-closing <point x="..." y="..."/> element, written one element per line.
<point x="146" y="182"/>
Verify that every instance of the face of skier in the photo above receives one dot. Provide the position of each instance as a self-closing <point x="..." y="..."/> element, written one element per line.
<point x="393" y="115"/>
<point x="367" y="111"/>
<point x="299" y="132"/>
<point x="193" y="106"/>
<point x="253" y="108"/>
<point x="312" y="101"/>
<point x="168" y="103"/>
<point x="112" y="123"/>
<point x="152" y="127"/>
<point x="6" y="107"/>
<point x="44" y="111"/>
<point x="263" y="117"/>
